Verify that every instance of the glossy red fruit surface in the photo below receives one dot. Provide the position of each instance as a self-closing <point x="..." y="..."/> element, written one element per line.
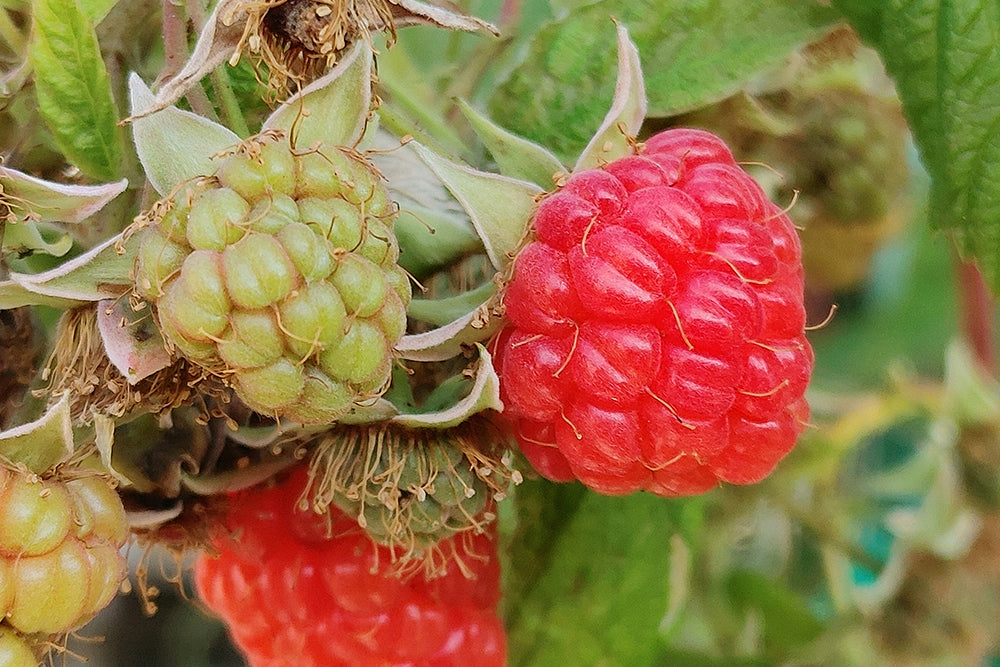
<point x="304" y="590"/>
<point x="656" y="338"/>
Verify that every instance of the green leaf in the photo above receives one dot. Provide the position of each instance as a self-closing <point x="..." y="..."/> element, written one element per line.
<point x="96" y="10"/>
<point x="945" y="58"/>
<point x="694" y="52"/>
<point x="605" y="586"/>
<point x="787" y="620"/>
<point x="174" y="145"/>
<point x="500" y="207"/>
<point x="483" y="395"/>
<point x="72" y="87"/>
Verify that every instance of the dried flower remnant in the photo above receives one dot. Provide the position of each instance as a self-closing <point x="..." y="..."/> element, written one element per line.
<point x="298" y="40"/>
<point x="302" y="39"/>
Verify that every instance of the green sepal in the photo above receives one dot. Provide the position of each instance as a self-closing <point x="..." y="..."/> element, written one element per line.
<point x="500" y="207"/>
<point x="43" y="443"/>
<point x="333" y="110"/>
<point x="104" y="272"/>
<point x="628" y="109"/>
<point x="173" y="145"/>
<point x="440" y="312"/>
<point x="483" y="395"/>
<point x="449" y="340"/>
<point x="515" y="156"/>
<point x="25" y="238"/>
<point x="34" y="198"/>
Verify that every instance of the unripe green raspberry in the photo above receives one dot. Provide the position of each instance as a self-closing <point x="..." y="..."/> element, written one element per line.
<point x="411" y="487"/>
<point x="278" y="273"/>
<point x="60" y="560"/>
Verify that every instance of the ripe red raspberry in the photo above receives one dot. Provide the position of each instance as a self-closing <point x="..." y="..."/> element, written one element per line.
<point x="297" y="588"/>
<point x="656" y="325"/>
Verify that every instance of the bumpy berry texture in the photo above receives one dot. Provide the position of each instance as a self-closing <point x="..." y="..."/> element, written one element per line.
<point x="59" y="550"/>
<point x="656" y="339"/>
<point x="297" y="588"/>
<point x="280" y="274"/>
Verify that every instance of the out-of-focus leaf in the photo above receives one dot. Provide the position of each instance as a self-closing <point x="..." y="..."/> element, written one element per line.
<point x="694" y="52"/>
<point x="945" y="58"/>
<point x="71" y="83"/>
<point x="787" y="620"/>
<point x="604" y="588"/>
<point x="95" y="10"/>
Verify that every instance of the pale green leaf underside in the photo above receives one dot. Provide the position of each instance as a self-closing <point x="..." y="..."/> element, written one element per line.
<point x="72" y="87"/>
<point x="945" y="57"/>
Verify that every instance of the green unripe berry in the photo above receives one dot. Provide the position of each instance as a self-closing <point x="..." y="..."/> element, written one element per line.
<point x="216" y="219"/>
<point x="272" y="387"/>
<point x="258" y="271"/>
<point x="309" y="252"/>
<point x="313" y="319"/>
<point x="252" y="340"/>
<point x="339" y="222"/>
<point x="361" y="284"/>
<point x="97" y="510"/>
<point x="35" y="516"/>
<point x="256" y="178"/>
<point x="323" y="400"/>
<point x="193" y="320"/>
<point x="379" y="245"/>
<point x="392" y="317"/>
<point x="51" y="590"/>
<point x="271" y="214"/>
<point x="361" y="357"/>
<point x="201" y="281"/>
<point x="14" y="652"/>
<point x="158" y="260"/>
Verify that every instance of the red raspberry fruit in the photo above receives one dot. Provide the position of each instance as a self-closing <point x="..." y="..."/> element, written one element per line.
<point x="656" y="325"/>
<point x="304" y="590"/>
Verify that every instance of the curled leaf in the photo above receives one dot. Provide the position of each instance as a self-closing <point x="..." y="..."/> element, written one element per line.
<point x="484" y="395"/>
